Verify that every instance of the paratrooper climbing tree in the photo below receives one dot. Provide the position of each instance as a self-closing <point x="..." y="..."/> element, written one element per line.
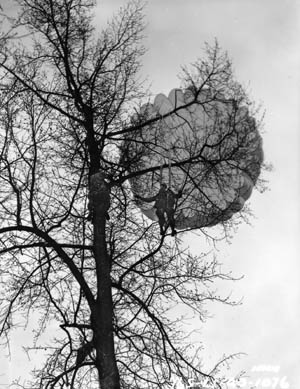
<point x="75" y="248"/>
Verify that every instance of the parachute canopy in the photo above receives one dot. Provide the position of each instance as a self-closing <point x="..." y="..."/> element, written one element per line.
<point x="205" y="145"/>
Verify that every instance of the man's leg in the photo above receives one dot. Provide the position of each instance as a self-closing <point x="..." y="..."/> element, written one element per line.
<point x="171" y="220"/>
<point x="161" y="219"/>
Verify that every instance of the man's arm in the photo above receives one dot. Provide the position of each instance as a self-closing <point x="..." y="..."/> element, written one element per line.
<point x="146" y="199"/>
<point x="178" y="195"/>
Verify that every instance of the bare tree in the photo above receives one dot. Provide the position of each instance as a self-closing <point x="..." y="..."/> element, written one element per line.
<point x="74" y="246"/>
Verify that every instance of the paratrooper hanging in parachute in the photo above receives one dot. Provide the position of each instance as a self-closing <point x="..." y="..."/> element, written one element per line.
<point x="165" y="206"/>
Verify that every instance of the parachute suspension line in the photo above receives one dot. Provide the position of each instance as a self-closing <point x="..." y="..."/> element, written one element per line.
<point x="161" y="174"/>
<point x="169" y="170"/>
<point x="187" y="175"/>
<point x="152" y="180"/>
<point x="169" y="165"/>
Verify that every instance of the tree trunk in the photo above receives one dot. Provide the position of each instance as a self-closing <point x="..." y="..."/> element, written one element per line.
<point x="102" y="312"/>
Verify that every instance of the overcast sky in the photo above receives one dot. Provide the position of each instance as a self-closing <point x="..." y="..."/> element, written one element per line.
<point x="262" y="38"/>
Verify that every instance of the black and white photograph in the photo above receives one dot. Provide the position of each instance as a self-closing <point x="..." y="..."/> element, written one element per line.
<point x="149" y="194"/>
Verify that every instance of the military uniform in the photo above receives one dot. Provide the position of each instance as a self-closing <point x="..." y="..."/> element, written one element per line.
<point x="99" y="195"/>
<point x="165" y="202"/>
